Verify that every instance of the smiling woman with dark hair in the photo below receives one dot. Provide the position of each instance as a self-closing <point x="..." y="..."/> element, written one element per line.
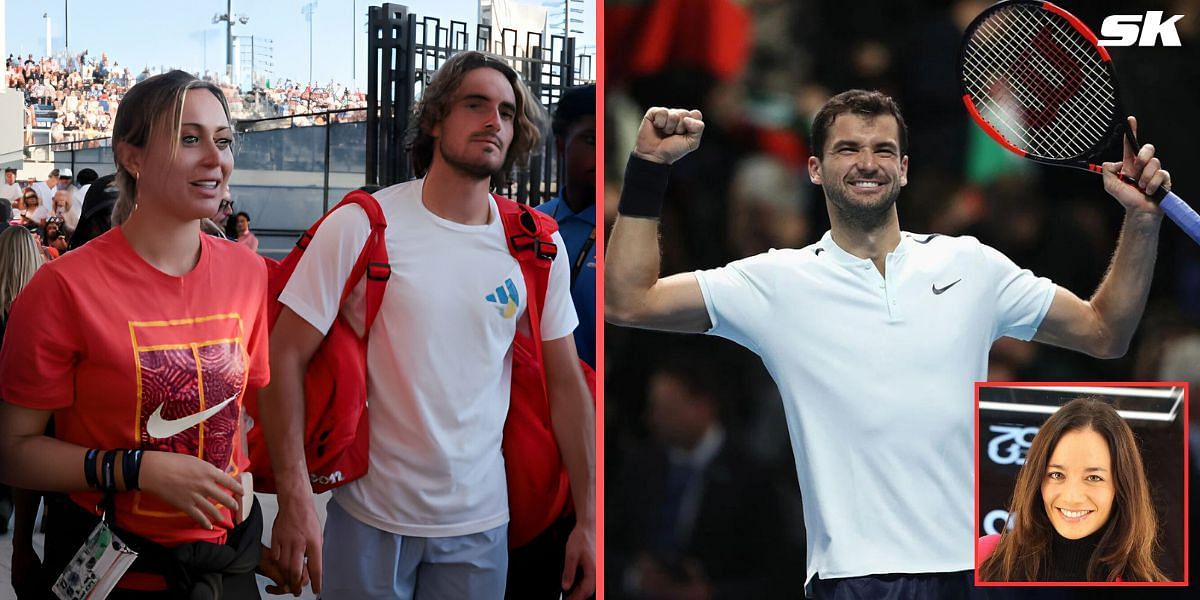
<point x="1081" y="506"/>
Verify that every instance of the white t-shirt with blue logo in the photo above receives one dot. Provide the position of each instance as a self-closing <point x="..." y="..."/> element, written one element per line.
<point x="439" y="359"/>
<point x="877" y="377"/>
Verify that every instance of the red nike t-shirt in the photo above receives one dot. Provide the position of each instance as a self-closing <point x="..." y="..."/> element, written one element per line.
<point x="136" y="358"/>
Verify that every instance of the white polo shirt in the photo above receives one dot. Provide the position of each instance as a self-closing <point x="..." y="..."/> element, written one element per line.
<point x="877" y="377"/>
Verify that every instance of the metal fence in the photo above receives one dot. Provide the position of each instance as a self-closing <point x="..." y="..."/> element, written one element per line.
<point x="404" y="52"/>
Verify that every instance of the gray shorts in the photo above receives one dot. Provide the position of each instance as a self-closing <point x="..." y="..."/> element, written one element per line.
<point x="363" y="562"/>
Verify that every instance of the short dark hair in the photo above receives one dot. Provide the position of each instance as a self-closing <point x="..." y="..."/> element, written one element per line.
<point x="435" y="105"/>
<point x="53" y="173"/>
<point x="575" y="103"/>
<point x="87" y="176"/>
<point x="860" y="102"/>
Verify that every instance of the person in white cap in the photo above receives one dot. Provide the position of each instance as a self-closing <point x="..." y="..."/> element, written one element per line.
<point x="66" y="179"/>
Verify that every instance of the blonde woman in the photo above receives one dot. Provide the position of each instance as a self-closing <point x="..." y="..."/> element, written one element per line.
<point x="22" y="257"/>
<point x="62" y="206"/>
<point x="145" y="374"/>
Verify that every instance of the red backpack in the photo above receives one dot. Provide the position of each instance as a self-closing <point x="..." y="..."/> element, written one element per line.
<point x="336" y="434"/>
<point x="538" y="489"/>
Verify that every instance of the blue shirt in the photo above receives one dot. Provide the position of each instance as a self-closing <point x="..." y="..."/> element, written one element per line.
<point x="578" y="232"/>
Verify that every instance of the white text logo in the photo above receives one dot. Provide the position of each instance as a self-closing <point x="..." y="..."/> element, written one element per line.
<point x="1123" y="30"/>
<point x="996" y="521"/>
<point x="333" y="477"/>
<point x="1009" y="447"/>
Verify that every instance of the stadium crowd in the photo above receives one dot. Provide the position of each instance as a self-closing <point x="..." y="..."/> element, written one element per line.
<point x="75" y="96"/>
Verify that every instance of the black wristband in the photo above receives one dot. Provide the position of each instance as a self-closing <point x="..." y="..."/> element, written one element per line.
<point x="137" y="470"/>
<point x="131" y="466"/>
<point x="109" y="476"/>
<point x="645" y="188"/>
<point x="89" y="468"/>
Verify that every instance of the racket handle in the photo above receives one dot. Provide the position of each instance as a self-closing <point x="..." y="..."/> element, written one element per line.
<point x="1182" y="214"/>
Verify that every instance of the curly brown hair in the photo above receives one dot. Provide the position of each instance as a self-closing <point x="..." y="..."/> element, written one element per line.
<point x="435" y="104"/>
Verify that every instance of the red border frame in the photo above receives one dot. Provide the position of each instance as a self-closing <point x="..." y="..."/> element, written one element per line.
<point x="1186" y="457"/>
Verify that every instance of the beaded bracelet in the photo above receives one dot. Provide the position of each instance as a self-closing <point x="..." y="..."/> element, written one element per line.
<point x="131" y="466"/>
<point x="109" y="481"/>
<point x="89" y="468"/>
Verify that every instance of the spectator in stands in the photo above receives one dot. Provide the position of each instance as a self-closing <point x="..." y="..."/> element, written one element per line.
<point x="96" y="211"/>
<point x="176" y="492"/>
<point x="244" y="235"/>
<point x="220" y="224"/>
<point x="56" y="236"/>
<point x="45" y="189"/>
<point x="21" y="258"/>
<point x="85" y="179"/>
<point x="9" y="190"/>
<point x="66" y="179"/>
<point x="63" y="208"/>
<point x="33" y="213"/>
<point x="681" y="492"/>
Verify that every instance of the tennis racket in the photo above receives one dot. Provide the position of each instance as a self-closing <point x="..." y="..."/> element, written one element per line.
<point x="1037" y="80"/>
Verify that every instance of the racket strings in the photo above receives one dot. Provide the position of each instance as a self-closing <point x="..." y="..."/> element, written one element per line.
<point x="1032" y="102"/>
<point x="1039" y="82"/>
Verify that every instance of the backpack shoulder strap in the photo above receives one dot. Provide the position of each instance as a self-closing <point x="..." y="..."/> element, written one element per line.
<point x="372" y="261"/>
<point x="530" y="237"/>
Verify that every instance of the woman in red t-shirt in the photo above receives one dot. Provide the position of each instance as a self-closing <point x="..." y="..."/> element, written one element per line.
<point x="145" y="368"/>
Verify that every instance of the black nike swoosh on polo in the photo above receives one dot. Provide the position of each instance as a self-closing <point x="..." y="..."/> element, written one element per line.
<point x="937" y="290"/>
<point x="818" y="251"/>
<point x="927" y="239"/>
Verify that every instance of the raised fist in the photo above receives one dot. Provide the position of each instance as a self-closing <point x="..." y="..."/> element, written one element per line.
<point x="668" y="134"/>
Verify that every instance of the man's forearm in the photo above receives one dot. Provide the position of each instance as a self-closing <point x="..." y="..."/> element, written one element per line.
<point x="281" y="414"/>
<point x="1121" y="296"/>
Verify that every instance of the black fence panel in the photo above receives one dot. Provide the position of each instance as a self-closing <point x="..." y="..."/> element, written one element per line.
<point x="406" y="50"/>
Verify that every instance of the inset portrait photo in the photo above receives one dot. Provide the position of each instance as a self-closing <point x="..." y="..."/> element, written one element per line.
<point x="1081" y="484"/>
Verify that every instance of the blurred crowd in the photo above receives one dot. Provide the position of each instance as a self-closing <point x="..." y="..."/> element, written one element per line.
<point x="63" y="211"/>
<point x="75" y="97"/>
<point x="759" y="70"/>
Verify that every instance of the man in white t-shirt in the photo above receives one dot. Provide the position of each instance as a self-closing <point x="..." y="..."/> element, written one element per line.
<point x="9" y="190"/>
<point x="433" y="506"/>
<point x="45" y="189"/>
<point x="875" y="337"/>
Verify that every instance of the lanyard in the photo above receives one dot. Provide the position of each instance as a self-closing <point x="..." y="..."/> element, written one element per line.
<point x="583" y="252"/>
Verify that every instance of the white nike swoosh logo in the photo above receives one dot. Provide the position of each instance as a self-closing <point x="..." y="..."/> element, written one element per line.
<point x="160" y="428"/>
